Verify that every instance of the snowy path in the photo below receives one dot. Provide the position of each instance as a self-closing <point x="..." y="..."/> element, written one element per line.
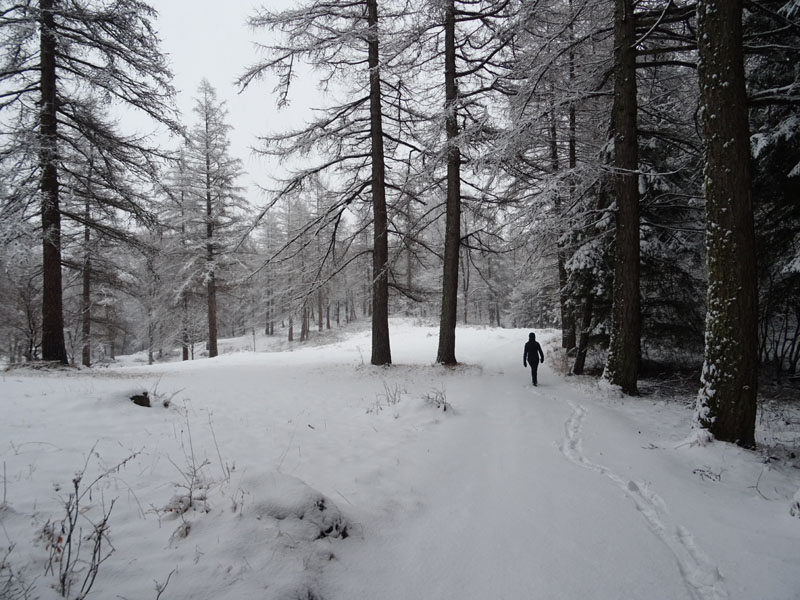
<point x="562" y="492"/>
<point x="510" y="507"/>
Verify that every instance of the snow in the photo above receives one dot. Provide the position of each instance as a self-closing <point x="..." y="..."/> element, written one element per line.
<point x="315" y="475"/>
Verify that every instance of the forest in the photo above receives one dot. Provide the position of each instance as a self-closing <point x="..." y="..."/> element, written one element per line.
<point x="624" y="171"/>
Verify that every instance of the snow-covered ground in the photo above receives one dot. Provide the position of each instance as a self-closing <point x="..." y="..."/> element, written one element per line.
<point x="312" y="475"/>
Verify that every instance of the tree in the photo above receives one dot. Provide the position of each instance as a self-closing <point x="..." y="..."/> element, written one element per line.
<point x="344" y="42"/>
<point x="381" y="349"/>
<point x="623" y="354"/>
<point x="772" y="47"/>
<point x="726" y="402"/>
<point x="57" y="56"/>
<point x="446" y="353"/>
<point x="216" y="206"/>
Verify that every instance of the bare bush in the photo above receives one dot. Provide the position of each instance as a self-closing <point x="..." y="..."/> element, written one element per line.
<point x="12" y="582"/>
<point x="75" y="556"/>
<point x="438" y="399"/>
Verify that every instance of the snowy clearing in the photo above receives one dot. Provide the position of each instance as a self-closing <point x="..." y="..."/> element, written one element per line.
<point x="311" y="475"/>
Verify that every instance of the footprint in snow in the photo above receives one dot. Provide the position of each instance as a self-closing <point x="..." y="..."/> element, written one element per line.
<point x="702" y="577"/>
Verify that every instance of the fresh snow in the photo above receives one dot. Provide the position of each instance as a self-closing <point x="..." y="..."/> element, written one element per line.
<point x="314" y="475"/>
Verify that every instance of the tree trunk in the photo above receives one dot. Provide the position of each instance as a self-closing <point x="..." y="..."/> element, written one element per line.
<point x="381" y="350"/>
<point x="211" y="284"/>
<point x="304" y="323"/>
<point x="567" y="314"/>
<point x="622" y="367"/>
<point x="320" y="323"/>
<point x="726" y="404"/>
<point x="185" y="332"/>
<point x="86" y="298"/>
<point x="583" y="339"/>
<point x="464" y="264"/>
<point x="446" y="354"/>
<point x="53" y="345"/>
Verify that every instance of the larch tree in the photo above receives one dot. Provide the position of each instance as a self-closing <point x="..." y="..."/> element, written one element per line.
<point x="466" y="41"/>
<point x="726" y="403"/>
<point x="57" y="55"/>
<point x="217" y="207"/>
<point x="381" y="348"/>
<point x="446" y="352"/>
<point x="345" y="42"/>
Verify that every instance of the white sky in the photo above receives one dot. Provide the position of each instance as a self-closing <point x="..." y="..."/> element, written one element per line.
<point x="204" y="39"/>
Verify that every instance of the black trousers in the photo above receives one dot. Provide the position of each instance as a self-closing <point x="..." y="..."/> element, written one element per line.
<point x="534" y="368"/>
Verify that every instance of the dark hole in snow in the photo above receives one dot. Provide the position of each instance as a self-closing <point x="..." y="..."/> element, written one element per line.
<point x="337" y="530"/>
<point x="142" y="399"/>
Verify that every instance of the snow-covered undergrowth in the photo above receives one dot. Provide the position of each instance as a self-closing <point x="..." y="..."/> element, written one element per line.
<point x="312" y="475"/>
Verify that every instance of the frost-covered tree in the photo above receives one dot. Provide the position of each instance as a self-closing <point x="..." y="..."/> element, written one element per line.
<point x="215" y="209"/>
<point x="57" y="56"/>
<point x="347" y="43"/>
<point x="726" y="403"/>
<point x="772" y="45"/>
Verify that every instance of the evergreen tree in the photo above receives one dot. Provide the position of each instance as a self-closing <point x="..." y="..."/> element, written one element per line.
<point x="58" y="55"/>
<point x="726" y="403"/>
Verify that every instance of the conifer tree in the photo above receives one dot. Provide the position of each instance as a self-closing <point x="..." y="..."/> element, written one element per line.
<point x="57" y="57"/>
<point x="726" y="403"/>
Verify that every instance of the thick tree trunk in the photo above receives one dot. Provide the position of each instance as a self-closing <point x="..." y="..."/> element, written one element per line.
<point x="446" y="354"/>
<point x="622" y="367"/>
<point x="381" y="350"/>
<point x="726" y="404"/>
<point x="53" y="346"/>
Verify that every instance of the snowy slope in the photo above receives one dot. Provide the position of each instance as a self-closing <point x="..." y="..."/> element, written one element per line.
<point x="315" y="475"/>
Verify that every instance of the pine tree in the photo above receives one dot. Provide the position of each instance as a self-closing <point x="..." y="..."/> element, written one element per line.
<point x="726" y="403"/>
<point x="622" y="366"/>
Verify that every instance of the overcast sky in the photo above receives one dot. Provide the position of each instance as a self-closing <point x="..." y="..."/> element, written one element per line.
<point x="206" y="38"/>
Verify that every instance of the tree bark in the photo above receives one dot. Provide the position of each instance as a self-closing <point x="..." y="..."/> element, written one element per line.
<point x="53" y="345"/>
<point x="185" y="326"/>
<point x="583" y="339"/>
<point x="381" y="349"/>
<point x="622" y="367"/>
<point x="446" y="354"/>
<point x="567" y="314"/>
<point x="86" y="298"/>
<point x="726" y="404"/>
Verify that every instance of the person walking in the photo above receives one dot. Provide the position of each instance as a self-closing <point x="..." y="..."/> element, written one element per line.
<point x="532" y="354"/>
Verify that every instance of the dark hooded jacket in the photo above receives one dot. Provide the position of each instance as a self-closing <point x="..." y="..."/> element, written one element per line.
<point x="533" y="351"/>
